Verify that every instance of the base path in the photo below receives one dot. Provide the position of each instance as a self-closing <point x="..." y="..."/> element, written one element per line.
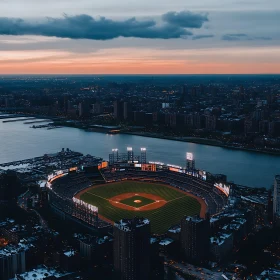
<point x="158" y="201"/>
<point x="203" y="208"/>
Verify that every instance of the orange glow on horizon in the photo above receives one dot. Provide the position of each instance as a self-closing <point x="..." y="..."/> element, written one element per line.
<point x="143" y="61"/>
<point x="145" y="67"/>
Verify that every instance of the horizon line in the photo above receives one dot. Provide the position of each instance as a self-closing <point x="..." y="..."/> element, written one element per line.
<point x="140" y="74"/>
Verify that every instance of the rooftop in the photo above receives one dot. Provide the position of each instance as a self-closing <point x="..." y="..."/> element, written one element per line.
<point x="195" y="219"/>
<point x="42" y="272"/>
<point x="10" y="250"/>
<point x="129" y="224"/>
<point x="175" y="230"/>
<point x="220" y="239"/>
<point x="166" y="241"/>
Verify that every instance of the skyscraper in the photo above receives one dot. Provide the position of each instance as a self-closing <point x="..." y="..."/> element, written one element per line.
<point x="126" y="110"/>
<point x="185" y="93"/>
<point x="276" y="198"/>
<point x="118" y="110"/>
<point x="195" y="238"/>
<point x="132" y="249"/>
<point x="83" y="109"/>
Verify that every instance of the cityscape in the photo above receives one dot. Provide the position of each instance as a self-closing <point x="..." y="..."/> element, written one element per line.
<point x="139" y="140"/>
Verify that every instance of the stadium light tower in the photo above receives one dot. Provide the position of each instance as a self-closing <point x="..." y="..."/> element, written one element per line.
<point x="130" y="156"/>
<point x="143" y="158"/>
<point x="190" y="162"/>
<point x="114" y="157"/>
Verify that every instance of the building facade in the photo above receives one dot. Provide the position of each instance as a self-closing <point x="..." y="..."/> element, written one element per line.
<point x="276" y="197"/>
<point x="195" y="238"/>
<point x="132" y="249"/>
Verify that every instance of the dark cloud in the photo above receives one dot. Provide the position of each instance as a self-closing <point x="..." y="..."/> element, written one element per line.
<point x="185" y="19"/>
<point x="86" y="27"/>
<point x="197" y="37"/>
<point x="263" y="38"/>
<point x="235" y="37"/>
<point x="242" y="37"/>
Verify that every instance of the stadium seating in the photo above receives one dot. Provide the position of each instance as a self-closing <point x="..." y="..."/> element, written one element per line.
<point x="214" y="198"/>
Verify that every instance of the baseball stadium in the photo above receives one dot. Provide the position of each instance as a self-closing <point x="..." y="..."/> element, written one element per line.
<point x="129" y="186"/>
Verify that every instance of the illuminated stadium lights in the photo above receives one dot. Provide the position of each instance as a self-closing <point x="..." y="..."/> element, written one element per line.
<point x="114" y="150"/>
<point x="175" y="166"/>
<point x="223" y="188"/>
<point x="190" y="162"/>
<point x="189" y="156"/>
<point x="86" y="205"/>
<point x="156" y="162"/>
<point x="143" y="157"/>
<point x="130" y="155"/>
<point x="58" y="174"/>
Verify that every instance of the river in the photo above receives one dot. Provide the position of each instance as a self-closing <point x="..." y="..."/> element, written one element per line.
<point x="19" y="141"/>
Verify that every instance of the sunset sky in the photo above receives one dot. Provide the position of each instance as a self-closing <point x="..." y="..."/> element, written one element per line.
<point x="139" y="37"/>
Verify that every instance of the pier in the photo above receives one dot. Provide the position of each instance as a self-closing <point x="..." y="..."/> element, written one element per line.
<point x="39" y="121"/>
<point x="19" y="120"/>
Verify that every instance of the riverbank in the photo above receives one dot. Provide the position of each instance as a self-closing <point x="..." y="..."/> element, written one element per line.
<point x="195" y="140"/>
<point x="249" y="169"/>
<point x="202" y="141"/>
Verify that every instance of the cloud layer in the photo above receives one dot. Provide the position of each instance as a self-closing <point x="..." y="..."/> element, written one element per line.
<point x="185" y="19"/>
<point x="243" y="37"/>
<point x="173" y="25"/>
<point x="203" y="36"/>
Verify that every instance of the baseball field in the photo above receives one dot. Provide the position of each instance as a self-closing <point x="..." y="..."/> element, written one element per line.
<point x="163" y="205"/>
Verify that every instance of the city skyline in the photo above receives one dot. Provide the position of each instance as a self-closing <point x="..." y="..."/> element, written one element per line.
<point x="209" y="37"/>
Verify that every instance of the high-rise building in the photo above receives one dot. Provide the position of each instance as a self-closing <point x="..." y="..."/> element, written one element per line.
<point x="118" y="110"/>
<point x="270" y="206"/>
<point x="276" y="197"/>
<point x="97" y="108"/>
<point x="132" y="249"/>
<point x="195" y="238"/>
<point x="221" y="246"/>
<point x="126" y="110"/>
<point x="12" y="261"/>
<point x="65" y="103"/>
<point x="84" y="109"/>
<point x="210" y="122"/>
<point x="185" y="93"/>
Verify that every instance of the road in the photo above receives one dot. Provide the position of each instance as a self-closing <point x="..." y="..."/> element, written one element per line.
<point x="198" y="272"/>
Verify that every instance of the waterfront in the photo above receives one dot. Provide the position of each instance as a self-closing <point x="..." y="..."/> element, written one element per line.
<point x="19" y="141"/>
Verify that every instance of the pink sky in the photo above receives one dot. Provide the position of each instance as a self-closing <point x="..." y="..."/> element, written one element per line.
<point x="143" y="61"/>
<point x="160" y="67"/>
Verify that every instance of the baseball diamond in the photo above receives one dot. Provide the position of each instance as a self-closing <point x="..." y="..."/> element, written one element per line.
<point x="163" y="205"/>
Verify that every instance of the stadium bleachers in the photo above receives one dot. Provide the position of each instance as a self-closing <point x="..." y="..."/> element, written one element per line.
<point x="69" y="185"/>
<point x="214" y="198"/>
<point x="65" y="188"/>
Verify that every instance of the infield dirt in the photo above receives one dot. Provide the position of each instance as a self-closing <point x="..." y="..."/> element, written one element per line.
<point x="158" y="201"/>
<point x="203" y="208"/>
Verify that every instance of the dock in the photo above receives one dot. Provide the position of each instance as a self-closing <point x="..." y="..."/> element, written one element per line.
<point x="38" y="121"/>
<point x="19" y="120"/>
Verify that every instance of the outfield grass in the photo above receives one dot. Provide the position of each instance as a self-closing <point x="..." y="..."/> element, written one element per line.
<point x="178" y="204"/>
<point x="130" y="201"/>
